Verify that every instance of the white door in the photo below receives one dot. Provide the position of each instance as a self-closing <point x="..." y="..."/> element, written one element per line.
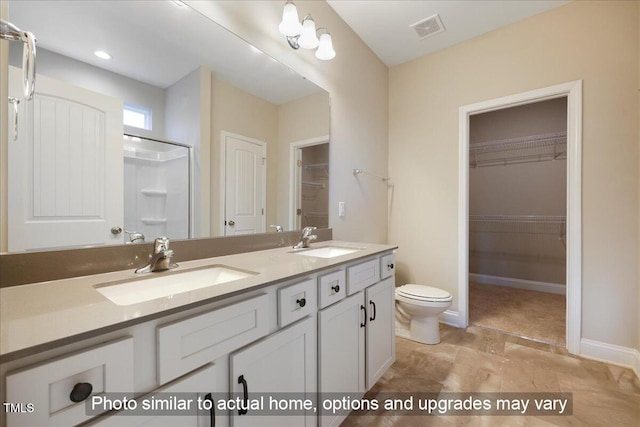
<point x="66" y="168"/>
<point x="341" y="352"/>
<point x="283" y="366"/>
<point x="381" y="344"/>
<point x="245" y="185"/>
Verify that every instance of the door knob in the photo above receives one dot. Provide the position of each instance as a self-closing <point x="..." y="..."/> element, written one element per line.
<point x="232" y="223"/>
<point x="116" y="230"/>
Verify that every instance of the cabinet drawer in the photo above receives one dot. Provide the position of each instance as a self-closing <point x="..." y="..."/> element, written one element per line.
<point x="387" y="266"/>
<point x="107" y="368"/>
<point x="190" y="343"/>
<point x="148" y="412"/>
<point x="362" y="275"/>
<point x="296" y="301"/>
<point x="331" y="288"/>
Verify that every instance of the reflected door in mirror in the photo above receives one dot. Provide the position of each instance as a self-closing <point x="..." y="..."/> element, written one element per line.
<point x="65" y="174"/>
<point x="245" y="185"/>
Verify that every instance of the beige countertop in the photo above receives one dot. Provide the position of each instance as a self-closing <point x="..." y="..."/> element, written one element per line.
<point x="38" y="316"/>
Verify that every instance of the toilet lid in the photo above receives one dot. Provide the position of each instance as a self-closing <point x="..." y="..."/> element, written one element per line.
<point x="424" y="292"/>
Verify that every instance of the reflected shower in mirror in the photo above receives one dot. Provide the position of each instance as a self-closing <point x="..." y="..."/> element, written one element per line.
<point x="188" y="81"/>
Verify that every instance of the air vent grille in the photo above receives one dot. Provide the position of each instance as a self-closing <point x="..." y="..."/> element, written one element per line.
<point x="428" y="27"/>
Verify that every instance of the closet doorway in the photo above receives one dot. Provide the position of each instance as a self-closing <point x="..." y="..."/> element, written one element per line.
<point x="309" y="177"/>
<point x="512" y="221"/>
<point x="517" y="220"/>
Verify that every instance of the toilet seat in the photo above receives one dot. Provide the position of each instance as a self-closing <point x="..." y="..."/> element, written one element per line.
<point x="423" y="293"/>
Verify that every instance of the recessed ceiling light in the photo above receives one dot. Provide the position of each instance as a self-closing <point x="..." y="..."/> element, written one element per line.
<point x="102" y="54"/>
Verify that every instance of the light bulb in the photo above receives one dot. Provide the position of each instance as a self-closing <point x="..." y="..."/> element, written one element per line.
<point x="325" y="48"/>
<point x="308" y="38"/>
<point x="290" y="25"/>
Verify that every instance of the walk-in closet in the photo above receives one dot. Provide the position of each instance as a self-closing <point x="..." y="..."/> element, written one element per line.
<point x="314" y="163"/>
<point x="517" y="220"/>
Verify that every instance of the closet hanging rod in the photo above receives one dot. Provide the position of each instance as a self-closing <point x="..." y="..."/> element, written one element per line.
<point x="534" y="158"/>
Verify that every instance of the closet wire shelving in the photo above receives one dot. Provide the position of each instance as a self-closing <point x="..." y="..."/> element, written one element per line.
<point x="537" y="148"/>
<point x="518" y="236"/>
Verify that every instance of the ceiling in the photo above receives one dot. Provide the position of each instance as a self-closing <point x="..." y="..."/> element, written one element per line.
<point x="155" y="42"/>
<point x="384" y="25"/>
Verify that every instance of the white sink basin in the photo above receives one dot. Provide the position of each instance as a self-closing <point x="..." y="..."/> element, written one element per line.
<point x="328" y="251"/>
<point x="159" y="285"/>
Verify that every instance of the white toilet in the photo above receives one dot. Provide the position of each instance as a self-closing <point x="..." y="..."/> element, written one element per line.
<point x="422" y="305"/>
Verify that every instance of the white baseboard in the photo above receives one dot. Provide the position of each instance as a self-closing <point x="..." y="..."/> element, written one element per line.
<point x="532" y="285"/>
<point x="610" y="353"/>
<point x="451" y="318"/>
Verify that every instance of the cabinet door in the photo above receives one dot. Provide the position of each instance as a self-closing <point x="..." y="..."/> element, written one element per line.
<point x="381" y="346"/>
<point x="341" y="352"/>
<point x="191" y="388"/>
<point x="281" y="366"/>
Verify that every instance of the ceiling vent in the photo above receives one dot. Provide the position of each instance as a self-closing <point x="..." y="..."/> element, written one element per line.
<point x="428" y="27"/>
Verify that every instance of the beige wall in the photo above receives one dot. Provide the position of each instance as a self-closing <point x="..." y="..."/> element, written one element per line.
<point x="238" y="112"/>
<point x="358" y="85"/>
<point x="596" y="42"/>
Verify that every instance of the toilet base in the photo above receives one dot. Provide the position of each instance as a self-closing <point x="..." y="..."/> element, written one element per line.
<point x="425" y="330"/>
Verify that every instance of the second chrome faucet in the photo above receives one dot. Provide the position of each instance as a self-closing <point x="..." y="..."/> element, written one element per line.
<point x="306" y="238"/>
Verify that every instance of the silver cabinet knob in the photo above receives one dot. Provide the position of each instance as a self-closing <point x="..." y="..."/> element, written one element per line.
<point x="116" y="230"/>
<point x="232" y="223"/>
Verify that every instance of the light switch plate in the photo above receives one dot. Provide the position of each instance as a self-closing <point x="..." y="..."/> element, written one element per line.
<point x="341" y="209"/>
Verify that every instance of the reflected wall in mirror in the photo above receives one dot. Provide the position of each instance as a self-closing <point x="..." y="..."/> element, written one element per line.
<point x="187" y="81"/>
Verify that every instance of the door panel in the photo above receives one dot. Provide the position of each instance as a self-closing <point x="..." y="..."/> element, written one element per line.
<point x="245" y="186"/>
<point x="66" y="168"/>
<point x="285" y="362"/>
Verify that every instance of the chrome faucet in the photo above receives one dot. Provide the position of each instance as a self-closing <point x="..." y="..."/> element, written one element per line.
<point x="306" y="238"/>
<point x="160" y="257"/>
<point x="135" y="237"/>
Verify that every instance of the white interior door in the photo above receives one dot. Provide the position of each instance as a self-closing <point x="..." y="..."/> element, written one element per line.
<point x="245" y="185"/>
<point x="66" y="168"/>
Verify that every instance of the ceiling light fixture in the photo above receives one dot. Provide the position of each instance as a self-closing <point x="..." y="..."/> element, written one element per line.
<point x="305" y="34"/>
<point x="102" y="54"/>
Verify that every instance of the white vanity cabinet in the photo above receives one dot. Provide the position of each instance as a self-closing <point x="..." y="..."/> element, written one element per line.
<point x="278" y="368"/>
<point x="191" y="392"/>
<point x="331" y="331"/>
<point x="356" y="336"/>
<point x="57" y="389"/>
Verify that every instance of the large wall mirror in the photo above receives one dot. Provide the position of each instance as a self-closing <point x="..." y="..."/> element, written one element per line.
<point x="186" y="131"/>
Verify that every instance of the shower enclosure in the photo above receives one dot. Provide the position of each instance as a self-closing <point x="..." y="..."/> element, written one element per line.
<point x="157" y="189"/>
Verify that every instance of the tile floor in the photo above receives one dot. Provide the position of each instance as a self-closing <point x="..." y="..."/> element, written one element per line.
<point x="539" y="315"/>
<point x="481" y="360"/>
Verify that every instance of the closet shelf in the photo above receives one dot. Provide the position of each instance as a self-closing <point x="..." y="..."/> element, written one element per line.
<point x="537" y="148"/>
<point x="541" y="219"/>
<point x="317" y="214"/>
<point x="527" y="228"/>
<point x="318" y="170"/>
<point x="312" y="184"/>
